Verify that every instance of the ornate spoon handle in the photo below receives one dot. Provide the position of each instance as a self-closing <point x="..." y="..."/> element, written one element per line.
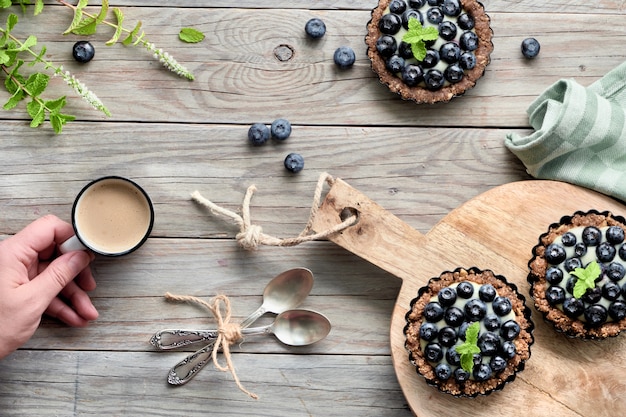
<point x="171" y="339"/>
<point x="186" y="369"/>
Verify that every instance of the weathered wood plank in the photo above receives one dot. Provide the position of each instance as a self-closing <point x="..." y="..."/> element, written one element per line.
<point x="240" y="80"/>
<point x="418" y="174"/>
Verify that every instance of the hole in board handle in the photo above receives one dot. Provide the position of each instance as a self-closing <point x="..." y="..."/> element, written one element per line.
<point x="348" y="212"/>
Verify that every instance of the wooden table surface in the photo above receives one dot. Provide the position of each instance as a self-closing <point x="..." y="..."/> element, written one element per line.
<point x="175" y="136"/>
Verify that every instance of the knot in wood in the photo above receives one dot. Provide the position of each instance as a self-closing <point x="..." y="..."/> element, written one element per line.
<point x="284" y="52"/>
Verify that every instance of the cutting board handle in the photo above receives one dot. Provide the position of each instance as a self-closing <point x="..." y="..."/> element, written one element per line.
<point x="378" y="236"/>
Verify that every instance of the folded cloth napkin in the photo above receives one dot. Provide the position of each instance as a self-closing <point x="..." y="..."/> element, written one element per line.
<point x="580" y="134"/>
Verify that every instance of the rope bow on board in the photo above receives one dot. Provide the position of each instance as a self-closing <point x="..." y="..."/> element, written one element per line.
<point x="250" y="235"/>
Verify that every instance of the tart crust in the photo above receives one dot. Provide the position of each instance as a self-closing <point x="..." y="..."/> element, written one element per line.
<point x="523" y="341"/>
<point x="538" y="284"/>
<point x="421" y="94"/>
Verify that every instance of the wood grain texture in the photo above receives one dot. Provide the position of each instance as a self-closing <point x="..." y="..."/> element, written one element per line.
<point x="496" y="230"/>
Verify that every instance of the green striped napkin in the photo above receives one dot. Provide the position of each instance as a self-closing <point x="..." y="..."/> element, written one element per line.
<point x="580" y="134"/>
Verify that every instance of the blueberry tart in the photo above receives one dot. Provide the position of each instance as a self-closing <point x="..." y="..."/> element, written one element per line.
<point x="577" y="275"/>
<point x="468" y="332"/>
<point x="429" y="51"/>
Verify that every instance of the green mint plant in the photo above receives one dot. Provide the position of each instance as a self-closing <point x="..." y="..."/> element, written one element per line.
<point x="586" y="278"/>
<point x="469" y="347"/>
<point x="417" y="36"/>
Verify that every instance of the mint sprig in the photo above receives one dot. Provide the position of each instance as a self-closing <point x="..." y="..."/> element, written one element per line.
<point x="586" y="278"/>
<point x="469" y="347"/>
<point x="416" y="37"/>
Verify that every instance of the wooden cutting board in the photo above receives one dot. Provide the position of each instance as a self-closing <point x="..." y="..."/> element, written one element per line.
<point x="496" y="230"/>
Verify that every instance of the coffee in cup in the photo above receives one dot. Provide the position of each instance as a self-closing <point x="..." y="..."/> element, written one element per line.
<point x="111" y="216"/>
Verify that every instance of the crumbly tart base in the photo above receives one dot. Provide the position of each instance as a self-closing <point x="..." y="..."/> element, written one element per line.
<point x="538" y="284"/>
<point x="421" y="94"/>
<point x="522" y="342"/>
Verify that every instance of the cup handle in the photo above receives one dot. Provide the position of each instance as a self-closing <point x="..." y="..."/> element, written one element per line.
<point x="71" y="244"/>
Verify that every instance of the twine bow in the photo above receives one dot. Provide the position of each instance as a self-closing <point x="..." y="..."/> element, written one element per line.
<point x="250" y="235"/>
<point x="228" y="332"/>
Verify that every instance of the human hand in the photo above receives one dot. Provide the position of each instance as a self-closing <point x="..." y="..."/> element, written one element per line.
<point x="34" y="282"/>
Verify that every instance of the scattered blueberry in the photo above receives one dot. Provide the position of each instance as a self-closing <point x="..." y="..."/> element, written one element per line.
<point x="294" y="162"/>
<point x="530" y="47"/>
<point x="258" y="134"/>
<point x="83" y="51"/>
<point x="281" y="129"/>
<point x="315" y="28"/>
<point x="344" y="57"/>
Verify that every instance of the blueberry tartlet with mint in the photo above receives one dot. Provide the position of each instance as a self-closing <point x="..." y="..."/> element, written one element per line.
<point x="429" y="51"/>
<point x="468" y="332"/>
<point x="578" y="275"/>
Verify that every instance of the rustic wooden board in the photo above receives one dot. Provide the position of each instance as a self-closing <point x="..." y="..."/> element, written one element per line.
<point x="496" y="231"/>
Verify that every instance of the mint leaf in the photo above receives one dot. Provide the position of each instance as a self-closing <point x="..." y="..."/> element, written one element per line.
<point x="416" y="36"/>
<point x="190" y="35"/>
<point x="469" y="347"/>
<point x="586" y="278"/>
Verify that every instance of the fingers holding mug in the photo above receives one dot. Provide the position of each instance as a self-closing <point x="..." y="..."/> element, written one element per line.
<point x="111" y="216"/>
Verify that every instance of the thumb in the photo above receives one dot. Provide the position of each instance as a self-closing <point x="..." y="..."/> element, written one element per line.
<point x="59" y="273"/>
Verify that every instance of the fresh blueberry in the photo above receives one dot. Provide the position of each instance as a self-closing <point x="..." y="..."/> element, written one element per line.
<point x="434" y="79"/>
<point x="568" y="239"/>
<point x="482" y="372"/>
<point x="461" y="375"/>
<point x="497" y="364"/>
<point x="617" y="310"/>
<point x="280" y="129"/>
<point x="487" y="292"/>
<point x="315" y="28"/>
<point x="569" y="285"/>
<point x="605" y="252"/>
<point x="451" y="7"/>
<point x="433" y="312"/>
<point x="344" y="57"/>
<point x="447" y="296"/>
<point x="465" y="22"/>
<point x="463" y="329"/>
<point x="554" y="275"/>
<point x="395" y="63"/>
<point x="475" y="310"/>
<point x="622" y="252"/>
<point x="416" y="4"/>
<point x="443" y="371"/>
<point x="595" y="315"/>
<point x="592" y="236"/>
<point x="294" y="162"/>
<point x="573" y="307"/>
<point x="502" y="306"/>
<point x="555" y="254"/>
<point x="491" y="322"/>
<point x="507" y="350"/>
<point x="468" y="41"/>
<point x="447" y="337"/>
<point x="431" y="59"/>
<point x="390" y="24"/>
<point x="572" y="263"/>
<point x="411" y="13"/>
<point x="447" y="30"/>
<point x="611" y="291"/>
<point x="555" y="295"/>
<point x="530" y="47"/>
<point x="465" y="289"/>
<point x="580" y="249"/>
<point x="405" y="51"/>
<point x="258" y="134"/>
<point x="454" y="316"/>
<point x="434" y="15"/>
<point x="386" y="45"/>
<point x="429" y="331"/>
<point x="488" y="343"/>
<point x="615" y="234"/>
<point x="83" y="51"/>
<point x="453" y="74"/>
<point x="510" y="330"/>
<point x="592" y="295"/>
<point x="433" y="352"/>
<point x="453" y="357"/>
<point x="467" y="60"/>
<point x="412" y="75"/>
<point x="450" y="52"/>
<point x="615" y="271"/>
<point x="397" y="6"/>
<point x="434" y="2"/>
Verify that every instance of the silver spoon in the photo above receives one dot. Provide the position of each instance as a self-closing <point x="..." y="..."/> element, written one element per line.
<point x="286" y="291"/>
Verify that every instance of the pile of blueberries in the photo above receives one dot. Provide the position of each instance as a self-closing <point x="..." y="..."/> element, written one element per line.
<point x="446" y="323"/>
<point x="608" y="297"/>
<point x="458" y="56"/>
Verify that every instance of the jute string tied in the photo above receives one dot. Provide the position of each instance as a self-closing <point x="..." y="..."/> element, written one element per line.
<point x="228" y="332"/>
<point x="250" y="236"/>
